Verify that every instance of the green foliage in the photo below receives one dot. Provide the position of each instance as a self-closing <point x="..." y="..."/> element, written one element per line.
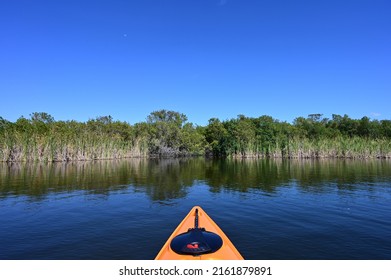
<point x="309" y="137"/>
<point x="169" y="117"/>
<point x="41" y="118"/>
<point x="168" y="134"/>
<point x="216" y="137"/>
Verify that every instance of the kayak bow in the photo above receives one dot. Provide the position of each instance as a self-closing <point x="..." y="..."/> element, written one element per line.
<point x="198" y="237"/>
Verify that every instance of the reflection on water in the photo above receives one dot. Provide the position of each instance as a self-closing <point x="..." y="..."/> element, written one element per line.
<point x="270" y="209"/>
<point x="170" y="178"/>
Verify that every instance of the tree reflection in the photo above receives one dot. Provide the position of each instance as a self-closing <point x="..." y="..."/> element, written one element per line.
<point x="165" y="179"/>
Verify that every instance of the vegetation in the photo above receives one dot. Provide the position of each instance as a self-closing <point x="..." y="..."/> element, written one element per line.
<point x="169" y="134"/>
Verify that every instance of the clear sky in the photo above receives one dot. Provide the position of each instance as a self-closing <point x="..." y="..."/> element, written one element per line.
<point x="78" y="59"/>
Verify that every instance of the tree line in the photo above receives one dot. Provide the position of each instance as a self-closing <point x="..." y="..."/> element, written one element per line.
<point x="169" y="134"/>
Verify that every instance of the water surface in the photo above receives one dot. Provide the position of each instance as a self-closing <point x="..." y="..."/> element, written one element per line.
<point x="270" y="209"/>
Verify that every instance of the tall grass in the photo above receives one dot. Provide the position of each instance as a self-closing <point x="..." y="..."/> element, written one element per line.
<point x="339" y="147"/>
<point x="167" y="134"/>
<point x="52" y="148"/>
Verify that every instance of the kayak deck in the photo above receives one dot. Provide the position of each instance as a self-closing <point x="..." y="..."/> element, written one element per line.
<point x="226" y="252"/>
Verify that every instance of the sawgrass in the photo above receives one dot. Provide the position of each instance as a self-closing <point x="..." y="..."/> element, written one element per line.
<point x="339" y="147"/>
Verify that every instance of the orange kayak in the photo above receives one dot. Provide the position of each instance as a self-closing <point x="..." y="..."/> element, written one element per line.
<point x="198" y="237"/>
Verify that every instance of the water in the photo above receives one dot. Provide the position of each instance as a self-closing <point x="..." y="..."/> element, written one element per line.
<point x="126" y="209"/>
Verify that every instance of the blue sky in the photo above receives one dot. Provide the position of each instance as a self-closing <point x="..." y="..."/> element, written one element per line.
<point x="204" y="58"/>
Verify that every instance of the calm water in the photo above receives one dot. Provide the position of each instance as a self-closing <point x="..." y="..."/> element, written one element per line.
<point x="127" y="209"/>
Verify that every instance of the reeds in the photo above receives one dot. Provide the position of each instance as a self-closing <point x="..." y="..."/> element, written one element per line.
<point x="44" y="140"/>
<point x="339" y="147"/>
<point x="53" y="148"/>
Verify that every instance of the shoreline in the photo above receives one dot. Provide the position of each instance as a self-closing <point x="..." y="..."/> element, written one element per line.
<point x="235" y="157"/>
<point x="167" y="134"/>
